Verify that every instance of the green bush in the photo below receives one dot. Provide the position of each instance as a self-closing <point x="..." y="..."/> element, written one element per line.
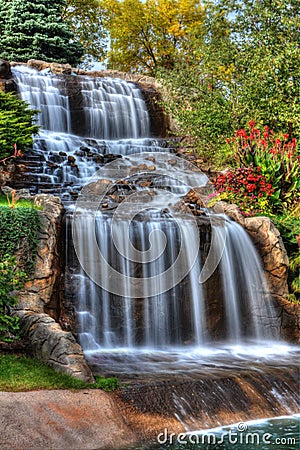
<point x="18" y="235"/>
<point x="18" y="240"/>
<point x="11" y="279"/>
<point x="16" y="125"/>
<point x="288" y="225"/>
<point x="276" y="155"/>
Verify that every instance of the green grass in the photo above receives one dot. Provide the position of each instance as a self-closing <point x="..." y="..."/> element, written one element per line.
<point x="22" y="203"/>
<point x="20" y="373"/>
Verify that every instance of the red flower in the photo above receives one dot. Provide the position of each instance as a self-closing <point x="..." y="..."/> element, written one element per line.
<point x="241" y="133"/>
<point x="294" y="142"/>
<point x="286" y="136"/>
<point x="250" y="187"/>
<point x="251" y="124"/>
<point x="263" y="142"/>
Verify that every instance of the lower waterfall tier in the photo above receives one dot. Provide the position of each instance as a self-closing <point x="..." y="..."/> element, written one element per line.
<point x="159" y="303"/>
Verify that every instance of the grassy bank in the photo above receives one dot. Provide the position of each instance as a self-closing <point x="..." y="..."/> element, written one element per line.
<point x="20" y="373"/>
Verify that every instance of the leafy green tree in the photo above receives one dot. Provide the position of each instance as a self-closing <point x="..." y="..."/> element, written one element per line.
<point x="267" y="37"/>
<point x="148" y="34"/>
<point x="35" y="29"/>
<point x="16" y="125"/>
<point x="85" y="19"/>
<point x="247" y="67"/>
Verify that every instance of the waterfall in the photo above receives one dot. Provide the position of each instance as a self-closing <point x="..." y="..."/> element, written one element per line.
<point x="111" y="109"/>
<point x="176" y="317"/>
<point x="84" y="123"/>
<point x="126" y="303"/>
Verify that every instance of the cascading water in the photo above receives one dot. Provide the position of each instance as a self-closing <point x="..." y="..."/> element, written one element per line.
<point x="130" y="319"/>
<point x="84" y="122"/>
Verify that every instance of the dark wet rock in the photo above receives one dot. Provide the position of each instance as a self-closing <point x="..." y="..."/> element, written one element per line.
<point x="71" y="159"/>
<point x="5" y="70"/>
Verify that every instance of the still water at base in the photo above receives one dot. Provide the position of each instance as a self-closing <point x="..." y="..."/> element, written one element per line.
<point x="267" y="434"/>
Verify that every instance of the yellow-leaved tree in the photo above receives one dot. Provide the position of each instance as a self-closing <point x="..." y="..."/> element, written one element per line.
<point x="149" y="34"/>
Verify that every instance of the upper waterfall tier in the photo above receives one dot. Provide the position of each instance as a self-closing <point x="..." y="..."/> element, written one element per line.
<point x="85" y="123"/>
<point x="100" y="108"/>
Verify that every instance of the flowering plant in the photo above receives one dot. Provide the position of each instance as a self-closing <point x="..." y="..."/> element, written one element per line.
<point x="246" y="187"/>
<point x="277" y="157"/>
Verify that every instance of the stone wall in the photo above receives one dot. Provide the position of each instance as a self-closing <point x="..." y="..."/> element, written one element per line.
<point x="39" y="302"/>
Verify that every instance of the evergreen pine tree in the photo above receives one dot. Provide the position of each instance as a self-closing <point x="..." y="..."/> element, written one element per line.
<point x="35" y="30"/>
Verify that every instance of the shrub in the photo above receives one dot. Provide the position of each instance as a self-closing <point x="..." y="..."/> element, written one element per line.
<point x="18" y="240"/>
<point x="246" y="187"/>
<point x="18" y="235"/>
<point x="288" y="225"/>
<point x="16" y="125"/>
<point x="11" y="279"/>
<point x="277" y="158"/>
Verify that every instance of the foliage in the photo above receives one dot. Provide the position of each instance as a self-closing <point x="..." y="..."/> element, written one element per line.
<point x="11" y="279"/>
<point x="19" y="203"/>
<point x="246" y="187"/>
<point x="277" y="158"/>
<point x="148" y="34"/>
<point x="16" y="124"/>
<point x="247" y="67"/>
<point x="18" y="235"/>
<point x="288" y="225"/>
<point x="18" y="241"/>
<point x="35" y="29"/>
<point x="79" y="13"/>
<point x="20" y="373"/>
<point x="266" y="75"/>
